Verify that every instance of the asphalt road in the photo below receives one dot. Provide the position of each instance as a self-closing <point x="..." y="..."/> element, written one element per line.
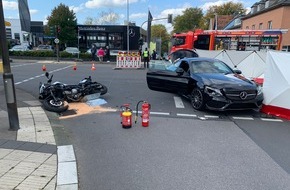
<point x="181" y="149"/>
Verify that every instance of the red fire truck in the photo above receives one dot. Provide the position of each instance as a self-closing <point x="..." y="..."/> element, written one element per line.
<point x="241" y="40"/>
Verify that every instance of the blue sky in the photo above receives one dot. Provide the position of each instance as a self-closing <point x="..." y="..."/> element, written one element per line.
<point x="138" y="9"/>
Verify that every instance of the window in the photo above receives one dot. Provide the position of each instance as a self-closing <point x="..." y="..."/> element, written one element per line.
<point x="17" y="36"/>
<point x="116" y="41"/>
<point x="270" y="24"/>
<point x="261" y="26"/>
<point x="253" y="27"/>
<point x="247" y="27"/>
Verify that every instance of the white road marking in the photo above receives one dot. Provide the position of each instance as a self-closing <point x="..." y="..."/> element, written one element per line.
<point x="178" y="102"/>
<point x="32" y="78"/>
<point x="186" y="115"/>
<point x="159" y="113"/>
<point x="23" y="65"/>
<point x="243" y="118"/>
<point x="267" y="119"/>
<point x="211" y="116"/>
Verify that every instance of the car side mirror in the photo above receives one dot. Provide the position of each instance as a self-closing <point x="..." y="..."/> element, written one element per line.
<point x="237" y="71"/>
<point x="179" y="71"/>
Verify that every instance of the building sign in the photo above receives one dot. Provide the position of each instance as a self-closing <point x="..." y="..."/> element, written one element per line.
<point x="7" y="23"/>
<point x="92" y="28"/>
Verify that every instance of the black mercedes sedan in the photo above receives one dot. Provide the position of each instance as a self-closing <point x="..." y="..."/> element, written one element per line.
<point x="207" y="83"/>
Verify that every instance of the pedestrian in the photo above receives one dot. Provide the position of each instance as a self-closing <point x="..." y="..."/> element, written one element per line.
<point x="154" y="54"/>
<point x="93" y="52"/>
<point x="108" y="53"/>
<point x="101" y="54"/>
<point x="146" y="58"/>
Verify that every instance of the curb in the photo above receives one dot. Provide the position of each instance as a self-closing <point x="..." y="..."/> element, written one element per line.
<point x="67" y="177"/>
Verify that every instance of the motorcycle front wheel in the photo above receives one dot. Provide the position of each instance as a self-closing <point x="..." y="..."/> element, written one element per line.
<point x="55" y="106"/>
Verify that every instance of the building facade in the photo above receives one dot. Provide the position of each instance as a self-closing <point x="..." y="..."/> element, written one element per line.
<point x="270" y="14"/>
<point x="114" y="36"/>
<point x="14" y="32"/>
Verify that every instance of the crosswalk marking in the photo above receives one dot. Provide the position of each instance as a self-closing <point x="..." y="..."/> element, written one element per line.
<point x="178" y="102"/>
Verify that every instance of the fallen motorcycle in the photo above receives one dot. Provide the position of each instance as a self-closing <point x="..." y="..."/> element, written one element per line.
<point x="56" y="95"/>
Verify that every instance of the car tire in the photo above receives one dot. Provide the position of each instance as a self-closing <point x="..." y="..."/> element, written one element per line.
<point x="197" y="99"/>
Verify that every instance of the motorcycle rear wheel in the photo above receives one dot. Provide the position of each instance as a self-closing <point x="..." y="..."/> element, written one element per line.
<point x="55" y="106"/>
<point x="103" y="90"/>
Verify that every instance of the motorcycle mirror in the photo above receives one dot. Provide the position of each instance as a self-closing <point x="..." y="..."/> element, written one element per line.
<point x="49" y="81"/>
<point x="47" y="74"/>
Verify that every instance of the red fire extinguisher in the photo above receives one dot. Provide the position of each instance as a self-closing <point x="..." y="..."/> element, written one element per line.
<point x="126" y="114"/>
<point x="145" y="113"/>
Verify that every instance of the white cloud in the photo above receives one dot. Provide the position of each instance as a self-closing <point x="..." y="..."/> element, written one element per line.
<point x="174" y="11"/>
<point x="33" y="11"/>
<point x="77" y="9"/>
<point x="107" y="3"/>
<point x="206" y="6"/>
<point x="138" y="16"/>
<point x="10" y="5"/>
<point x="45" y="21"/>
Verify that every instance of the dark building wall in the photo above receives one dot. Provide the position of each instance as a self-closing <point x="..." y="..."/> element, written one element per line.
<point x="104" y="35"/>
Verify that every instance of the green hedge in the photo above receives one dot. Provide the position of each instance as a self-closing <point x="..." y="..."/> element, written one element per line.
<point x="51" y="54"/>
<point x="62" y="54"/>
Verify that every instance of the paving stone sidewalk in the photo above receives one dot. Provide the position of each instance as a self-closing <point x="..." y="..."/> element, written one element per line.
<point x="29" y="157"/>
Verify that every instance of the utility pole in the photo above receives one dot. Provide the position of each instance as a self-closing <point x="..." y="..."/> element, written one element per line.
<point x="9" y="87"/>
<point x="128" y="36"/>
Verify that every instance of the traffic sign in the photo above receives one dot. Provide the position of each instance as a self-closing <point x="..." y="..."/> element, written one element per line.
<point x="56" y="40"/>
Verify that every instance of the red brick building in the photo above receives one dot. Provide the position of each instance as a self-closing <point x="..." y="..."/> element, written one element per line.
<point x="270" y="14"/>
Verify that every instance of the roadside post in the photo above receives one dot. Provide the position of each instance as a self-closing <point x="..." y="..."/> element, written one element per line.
<point x="56" y="41"/>
<point x="8" y="80"/>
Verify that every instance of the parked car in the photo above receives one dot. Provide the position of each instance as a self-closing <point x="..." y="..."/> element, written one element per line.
<point x="44" y="48"/>
<point x="20" y="48"/>
<point x="72" y="50"/>
<point x="207" y="83"/>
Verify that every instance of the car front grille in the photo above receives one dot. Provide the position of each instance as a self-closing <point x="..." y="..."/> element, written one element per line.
<point x="240" y="95"/>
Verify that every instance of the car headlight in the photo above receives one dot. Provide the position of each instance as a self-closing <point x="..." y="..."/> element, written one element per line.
<point x="259" y="89"/>
<point x="212" y="91"/>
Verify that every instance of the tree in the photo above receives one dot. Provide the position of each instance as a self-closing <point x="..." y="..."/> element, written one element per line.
<point x="191" y="19"/>
<point x="159" y="31"/>
<point x="228" y="8"/>
<point x="104" y="18"/>
<point x="89" y="21"/>
<point x="65" y="20"/>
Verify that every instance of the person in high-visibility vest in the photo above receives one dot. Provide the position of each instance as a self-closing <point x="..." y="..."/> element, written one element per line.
<point x="146" y="58"/>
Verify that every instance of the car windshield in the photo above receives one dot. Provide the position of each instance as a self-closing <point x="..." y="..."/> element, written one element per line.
<point x="18" y="47"/>
<point x="210" y="67"/>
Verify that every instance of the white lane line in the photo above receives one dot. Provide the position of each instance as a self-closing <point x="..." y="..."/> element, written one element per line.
<point x="275" y="120"/>
<point x="243" y="118"/>
<point x="23" y="65"/>
<point x="211" y="116"/>
<point x="178" y="102"/>
<point x="159" y="113"/>
<point x="186" y="115"/>
<point x="32" y="78"/>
